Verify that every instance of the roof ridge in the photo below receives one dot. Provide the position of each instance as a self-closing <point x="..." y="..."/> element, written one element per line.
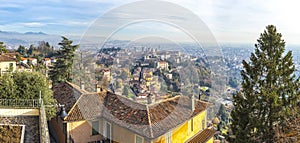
<point x="149" y="120"/>
<point x="166" y="100"/>
<point x="126" y="98"/>
<point x="76" y="87"/>
<point x="8" y="57"/>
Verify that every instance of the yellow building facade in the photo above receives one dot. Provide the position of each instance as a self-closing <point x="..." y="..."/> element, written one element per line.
<point x="7" y="64"/>
<point x="115" y="119"/>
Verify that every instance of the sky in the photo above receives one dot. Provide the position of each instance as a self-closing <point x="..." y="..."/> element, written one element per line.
<point x="230" y="21"/>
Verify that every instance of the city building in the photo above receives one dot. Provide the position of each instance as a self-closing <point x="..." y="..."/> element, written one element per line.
<point x="7" y="64"/>
<point x="107" y="117"/>
<point x="162" y="65"/>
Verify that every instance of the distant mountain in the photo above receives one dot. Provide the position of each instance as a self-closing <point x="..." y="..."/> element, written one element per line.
<point x="35" y="33"/>
<point x="14" y="39"/>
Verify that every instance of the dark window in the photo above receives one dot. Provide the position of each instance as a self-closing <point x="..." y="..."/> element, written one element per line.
<point x="95" y="127"/>
<point x="192" y="125"/>
<point x="65" y="128"/>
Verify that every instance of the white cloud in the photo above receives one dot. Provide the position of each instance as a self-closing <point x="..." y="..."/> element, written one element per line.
<point x="33" y="24"/>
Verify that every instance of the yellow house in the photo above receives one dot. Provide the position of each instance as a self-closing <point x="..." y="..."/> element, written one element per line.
<point x="107" y="117"/>
<point x="7" y="64"/>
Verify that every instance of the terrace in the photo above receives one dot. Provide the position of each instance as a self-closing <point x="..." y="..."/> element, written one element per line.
<point x="23" y="120"/>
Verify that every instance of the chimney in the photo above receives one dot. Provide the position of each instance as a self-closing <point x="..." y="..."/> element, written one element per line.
<point x="82" y="85"/>
<point x="193" y="102"/>
<point x="149" y="99"/>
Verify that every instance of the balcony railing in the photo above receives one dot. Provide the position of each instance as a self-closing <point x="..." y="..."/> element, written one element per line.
<point x="19" y="103"/>
<point x="30" y="104"/>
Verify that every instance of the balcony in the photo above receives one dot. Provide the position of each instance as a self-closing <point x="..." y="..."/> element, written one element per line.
<point x="29" y="113"/>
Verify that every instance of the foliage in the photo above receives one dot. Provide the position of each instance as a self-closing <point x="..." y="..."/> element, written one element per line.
<point x="22" y="50"/>
<point x="125" y="90"/>
<point x="27" y="85"/>
<point x="233" y="82"/>
<point x="62" y="69"/>
<point x="2" y="48"/>
<point x="269" y="91"/>
<point x="223" y="113"/>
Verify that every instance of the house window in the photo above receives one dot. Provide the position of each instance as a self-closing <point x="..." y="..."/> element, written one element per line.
<point x="107" y="131"/>
<point x="139" y="139"/>
<point x="64" y="128"/>
<point x="203" y="124"/>
<point x="192" y="125"/>
<point x="11" y="67"/>
<point x="169" y="137"/>
<point x="95" y="128"/>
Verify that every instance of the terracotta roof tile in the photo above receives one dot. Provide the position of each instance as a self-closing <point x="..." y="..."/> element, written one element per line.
<point x="67" y="94"/>
<point x="88" y="106"/>
<point x="150" y="121"/>
<point x="202" y="137"/>
<point x="6" y="58"/>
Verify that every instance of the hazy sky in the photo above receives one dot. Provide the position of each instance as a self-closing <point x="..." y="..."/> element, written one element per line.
<point x="228" y="20"/>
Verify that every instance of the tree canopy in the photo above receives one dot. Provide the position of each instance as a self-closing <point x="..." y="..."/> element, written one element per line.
<point x="27" y="85"/>
<point x="62" y="69"/>
<point x="2" y="47"/>
<point x="269" y="91"/>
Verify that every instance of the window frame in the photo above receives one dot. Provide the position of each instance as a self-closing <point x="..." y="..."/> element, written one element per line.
<point x="105" y="129"/>
<point x="168" y="137"/>
<point x="135" y="140"/>
<point x="192" y="125"/>
<point x="93" y="130"/>
<point x="203" y="124"/>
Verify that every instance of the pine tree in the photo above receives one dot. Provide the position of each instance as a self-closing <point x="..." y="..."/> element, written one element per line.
<point x="62" y="69"/>
<point x="269" y="91"/>
<point x="2" y="48"/>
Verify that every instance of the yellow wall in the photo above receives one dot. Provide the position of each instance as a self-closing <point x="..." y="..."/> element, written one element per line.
<point x="4" y="66"/>
<point x="120" y="134"/>
<point x="183" y="132"/>
<point x="19" y="112"/>
<point x="211" y="140"/>
<point x="56" y="124"/>
<point x="81" y="132"/>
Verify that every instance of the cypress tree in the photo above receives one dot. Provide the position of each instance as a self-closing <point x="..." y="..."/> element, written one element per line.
<point x="63" y="67"/>
<point x="269" y="91"/>
<point x="2" y="48"/>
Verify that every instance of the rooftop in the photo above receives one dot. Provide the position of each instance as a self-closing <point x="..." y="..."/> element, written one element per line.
<point x="150" y="121"/>
<point x="25" y="113"/>
<point x="202" y="137"/>
<point x="6" y="58"/>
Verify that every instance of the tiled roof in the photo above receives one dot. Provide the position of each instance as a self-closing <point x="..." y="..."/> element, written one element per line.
<point x="6" y="58"/>
<point x="149" y="121"/>
<point x="67" y="94"/>
<point x="23" y="59"/>
<point x="202" y="137"/>
<point x="88" y="106"/>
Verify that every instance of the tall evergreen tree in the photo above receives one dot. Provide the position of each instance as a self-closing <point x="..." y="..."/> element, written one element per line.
<point x="269" y="91"/>
<point x="2" y="48"/>
<point x="22" y="50"/>
<point x="62" y="69"/>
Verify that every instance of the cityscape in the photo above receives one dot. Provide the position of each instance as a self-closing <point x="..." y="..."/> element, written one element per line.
<point x="88" y="71"/>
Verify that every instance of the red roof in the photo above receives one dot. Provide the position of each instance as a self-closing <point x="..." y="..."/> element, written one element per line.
<point x="6" y="58"/>
<point x="149" y="121"/>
